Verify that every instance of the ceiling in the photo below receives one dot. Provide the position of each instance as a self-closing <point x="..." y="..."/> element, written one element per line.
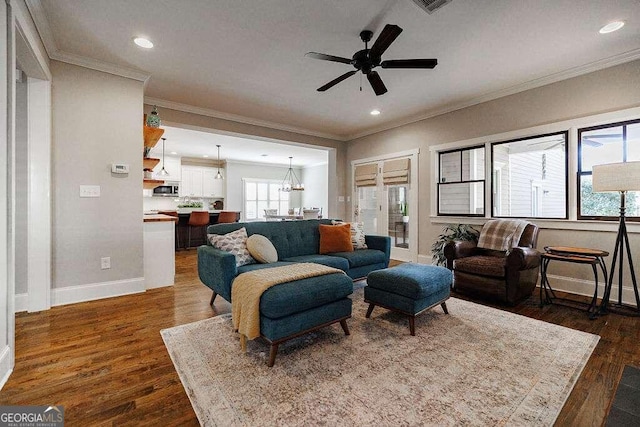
<point x="192" y="143"/>
<point x="245" y="59"/>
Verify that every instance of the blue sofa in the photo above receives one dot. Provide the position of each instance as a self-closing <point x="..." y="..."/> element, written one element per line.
<point x="294" y="308"/>
<point x="295" y="241"/>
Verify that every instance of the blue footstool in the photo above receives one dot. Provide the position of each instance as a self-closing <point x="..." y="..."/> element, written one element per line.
<point x="408" y="289"/>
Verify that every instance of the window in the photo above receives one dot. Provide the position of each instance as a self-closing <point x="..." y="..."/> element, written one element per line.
<point x="261" y="195"/>
<point x="611" y="143"/>
<point x="530" y="177"/>
<point x="461" y="182"/>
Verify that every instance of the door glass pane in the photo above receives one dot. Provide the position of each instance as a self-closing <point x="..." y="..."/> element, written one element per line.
<point x="398" y="213"/>
<point x="368" y="209"/>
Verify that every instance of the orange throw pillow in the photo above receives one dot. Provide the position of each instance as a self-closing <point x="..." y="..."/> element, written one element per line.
<point x="335" y="238"/>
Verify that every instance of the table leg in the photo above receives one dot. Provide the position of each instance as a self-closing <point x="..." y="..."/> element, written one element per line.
<point x="592" y="310"/>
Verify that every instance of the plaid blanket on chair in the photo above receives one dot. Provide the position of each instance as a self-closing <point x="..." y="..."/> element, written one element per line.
<point x="501" y="235"/>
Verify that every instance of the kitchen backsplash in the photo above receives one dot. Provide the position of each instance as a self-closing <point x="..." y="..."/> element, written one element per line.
<point x="169" y="203"/>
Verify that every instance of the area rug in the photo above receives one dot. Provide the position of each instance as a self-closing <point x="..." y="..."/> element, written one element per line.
<point x="475" y="366"/>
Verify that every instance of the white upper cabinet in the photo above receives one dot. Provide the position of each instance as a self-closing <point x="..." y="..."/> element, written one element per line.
<point x="199" y="181"/>
<point x="172" y="165"/>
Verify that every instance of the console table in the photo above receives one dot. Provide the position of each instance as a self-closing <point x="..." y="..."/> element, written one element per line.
<point x="593" y="257"/>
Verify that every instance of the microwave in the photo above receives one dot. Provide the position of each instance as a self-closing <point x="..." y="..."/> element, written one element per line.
<point x="167" y="190"/>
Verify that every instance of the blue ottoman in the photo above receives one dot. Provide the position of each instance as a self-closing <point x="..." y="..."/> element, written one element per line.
<point x="408" y="289"/>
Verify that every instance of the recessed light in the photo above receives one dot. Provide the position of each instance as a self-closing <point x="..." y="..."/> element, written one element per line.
<point x="611" y="27"/>
<point x="264" y="155"/>
<point x="173" y="152"/>
<point x="142" y="42"/>
<point x="206" y="155"/>
<point x="375" y="112"/>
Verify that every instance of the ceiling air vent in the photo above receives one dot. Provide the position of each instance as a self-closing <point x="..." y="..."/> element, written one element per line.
<point x="430" y="6"/>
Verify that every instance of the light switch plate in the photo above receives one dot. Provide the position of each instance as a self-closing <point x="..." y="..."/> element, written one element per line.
<point x="340" y="198"/>
<point x="89" y="191"/>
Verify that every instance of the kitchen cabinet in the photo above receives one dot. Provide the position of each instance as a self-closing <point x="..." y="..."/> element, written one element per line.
<point x="199" y="181"/>
<point x="212" y="187"/>
<point x="171" y="165"/>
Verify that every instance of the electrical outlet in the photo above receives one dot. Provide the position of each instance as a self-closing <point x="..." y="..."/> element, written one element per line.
<point x="105" y="263"/>
<point x="341" y="199"/>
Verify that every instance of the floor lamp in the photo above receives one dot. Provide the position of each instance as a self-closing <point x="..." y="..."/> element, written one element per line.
<point x="619" y="177"/>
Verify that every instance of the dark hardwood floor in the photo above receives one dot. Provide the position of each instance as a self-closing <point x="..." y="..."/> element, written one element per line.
<point x="106" y="363"/>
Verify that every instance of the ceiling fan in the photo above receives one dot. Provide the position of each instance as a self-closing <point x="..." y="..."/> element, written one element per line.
<point x="366" y="60"/>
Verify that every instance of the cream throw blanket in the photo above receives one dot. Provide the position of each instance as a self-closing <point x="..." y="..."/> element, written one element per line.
<point x="248" y="287"/>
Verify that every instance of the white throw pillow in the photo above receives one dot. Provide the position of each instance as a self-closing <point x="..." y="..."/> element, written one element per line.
<point x="357" y="234"/>
<point x="262" y="249"/>
<point x="235" y="243"/>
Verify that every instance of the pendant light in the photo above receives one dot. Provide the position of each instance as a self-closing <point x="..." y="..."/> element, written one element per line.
<point x="219" y="175"/>
<point x="163" y="171"/>
<point x="291" y="181"/>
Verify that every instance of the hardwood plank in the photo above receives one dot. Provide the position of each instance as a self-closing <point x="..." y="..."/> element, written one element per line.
<point x="106" y="363"/>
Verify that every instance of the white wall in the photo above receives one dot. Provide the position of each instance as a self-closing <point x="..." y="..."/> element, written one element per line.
<point x="22" y="187"/>
<point x="611" y="89"/>
<point x="236" y="171"/>
<point x="316" y="190"/>
<point x="97" y="121"/>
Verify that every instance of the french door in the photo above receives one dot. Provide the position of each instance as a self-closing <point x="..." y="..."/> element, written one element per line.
<point x="390" y="209"/>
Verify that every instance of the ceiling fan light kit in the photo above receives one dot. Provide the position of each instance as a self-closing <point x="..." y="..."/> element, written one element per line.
<point x="366" y="60"/>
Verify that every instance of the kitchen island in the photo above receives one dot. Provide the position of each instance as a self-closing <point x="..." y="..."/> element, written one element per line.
<point x="159" y="250"/>
<point x="198" y="235"/>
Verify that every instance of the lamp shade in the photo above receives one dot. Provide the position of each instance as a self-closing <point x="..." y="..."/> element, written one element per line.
<point x="616" y="177"/>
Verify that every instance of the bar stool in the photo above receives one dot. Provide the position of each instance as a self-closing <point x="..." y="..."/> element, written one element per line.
<point x="226" y="217"/>
<point x="197" y="219"/>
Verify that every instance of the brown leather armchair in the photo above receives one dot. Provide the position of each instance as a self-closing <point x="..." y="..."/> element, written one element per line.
<point x="494" y="274"/>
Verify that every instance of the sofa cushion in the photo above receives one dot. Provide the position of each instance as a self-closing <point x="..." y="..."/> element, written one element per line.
<point x="482" y="265"/>
<point x="327" y="260"/>
<point x="300" y="295"/>
<point x="234" y="242"/>
<point x="251" y="267"/>
<point x="290" y="238"/>
<point x="262" y="249"/>
<point x="361" y="257"/>
<point x="335" y="238"/>
<point x="357" y="234"/>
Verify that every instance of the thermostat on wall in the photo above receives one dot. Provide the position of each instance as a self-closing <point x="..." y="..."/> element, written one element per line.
<point x="119" y="168"/>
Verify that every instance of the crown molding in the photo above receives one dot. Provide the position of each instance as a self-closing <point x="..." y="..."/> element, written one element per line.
<point x="237" y="118"/>
<point x="106" y="67"/>
<point x="42" y="25"/>
<point x="532" y="84"/>
<point x="48" y="40"/>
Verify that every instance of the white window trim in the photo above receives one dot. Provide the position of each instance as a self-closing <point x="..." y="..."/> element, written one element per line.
<point x="572" y="223"/>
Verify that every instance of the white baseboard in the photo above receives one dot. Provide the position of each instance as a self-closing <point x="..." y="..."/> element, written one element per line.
<point x="586" y="287"/>
<point x="94" y="291"/>
<point x="5" y="365"/>
<point x="22" y="303"/>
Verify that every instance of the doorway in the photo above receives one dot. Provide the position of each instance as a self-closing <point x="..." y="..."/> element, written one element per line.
<point x="385" y="194"/>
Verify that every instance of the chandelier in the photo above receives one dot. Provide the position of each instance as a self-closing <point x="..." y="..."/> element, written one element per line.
<point x="291" y="181"/>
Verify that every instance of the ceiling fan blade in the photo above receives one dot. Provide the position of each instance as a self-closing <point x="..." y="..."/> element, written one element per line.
<point x="324" y="57"/>
<point x="389" y="33"/>
<point x="409" y="63"/>
<point x="334" y="82"/>
<point x="376" y="83"/>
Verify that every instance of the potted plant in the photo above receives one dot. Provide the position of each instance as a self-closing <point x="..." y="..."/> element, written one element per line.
<point x="451" y="232"/>
<point x="405" y="212"/>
